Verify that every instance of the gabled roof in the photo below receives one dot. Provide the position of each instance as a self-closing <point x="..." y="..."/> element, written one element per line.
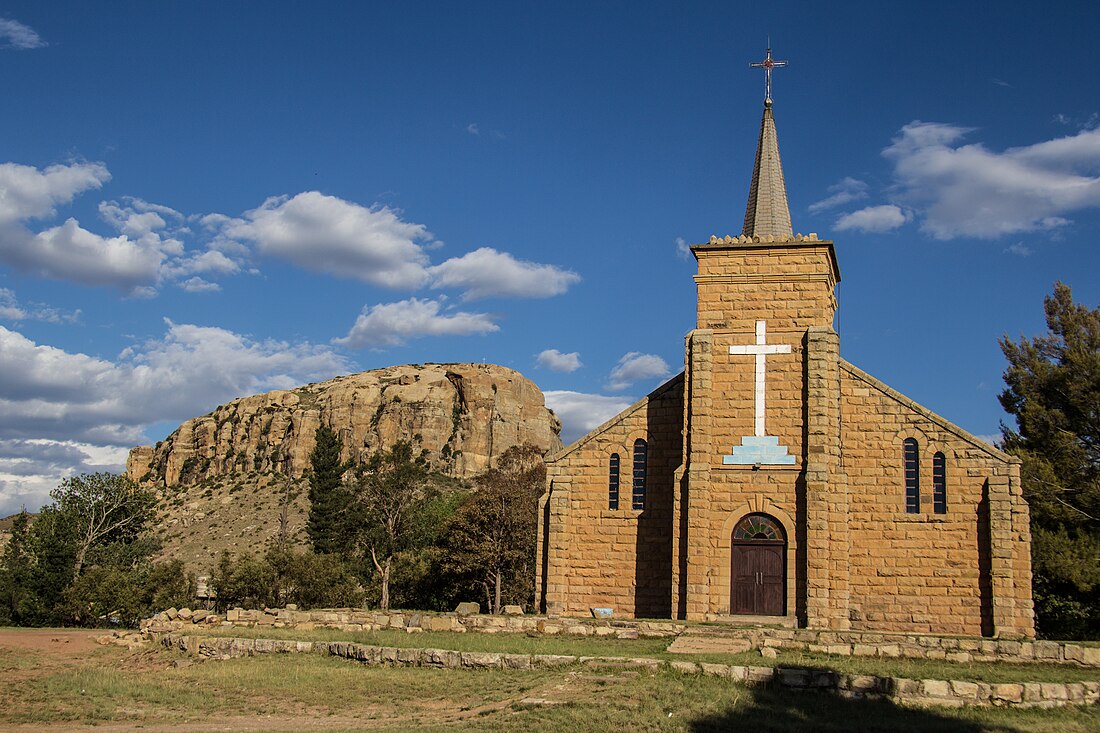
<point x="920" y="409"/>
<point x="581" y="441"/>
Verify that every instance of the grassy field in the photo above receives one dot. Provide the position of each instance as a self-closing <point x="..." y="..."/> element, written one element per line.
<point x="656" y="648"/>
<point x="61" y="687"/>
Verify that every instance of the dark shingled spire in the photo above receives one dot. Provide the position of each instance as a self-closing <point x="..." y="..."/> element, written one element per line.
<point x="767" y="212"/>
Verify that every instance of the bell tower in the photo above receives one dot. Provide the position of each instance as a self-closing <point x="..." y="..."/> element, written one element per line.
<point x="762" y="404"/>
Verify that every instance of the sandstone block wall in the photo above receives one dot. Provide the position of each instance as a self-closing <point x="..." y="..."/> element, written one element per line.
<point x="594" y="556"/>
<point x="790" y="288"/>
<point x="791" y="284"/>
<point x="963" y="572"/>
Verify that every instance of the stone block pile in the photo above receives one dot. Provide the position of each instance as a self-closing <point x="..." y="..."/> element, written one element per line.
<point x="351" y="619"/>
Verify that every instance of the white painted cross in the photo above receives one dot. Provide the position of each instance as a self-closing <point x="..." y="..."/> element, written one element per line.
<point x="760" y="350"/>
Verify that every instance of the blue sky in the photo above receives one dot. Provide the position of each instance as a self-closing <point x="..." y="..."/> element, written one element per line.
<point x="204" y="200"/>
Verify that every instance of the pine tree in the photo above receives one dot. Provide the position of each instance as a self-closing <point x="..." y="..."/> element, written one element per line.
<point x="1053" y="390"/>
<point x="327" y="524"/>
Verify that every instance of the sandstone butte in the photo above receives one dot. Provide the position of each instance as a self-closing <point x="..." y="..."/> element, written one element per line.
<point x="464" y="415"/>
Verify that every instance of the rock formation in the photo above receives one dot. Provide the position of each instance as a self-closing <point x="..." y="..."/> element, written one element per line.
<point x="464" y="415"/>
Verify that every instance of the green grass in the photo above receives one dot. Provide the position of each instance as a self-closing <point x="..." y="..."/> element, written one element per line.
<point x="308" y="692"/>
<point x="516" y="643"/>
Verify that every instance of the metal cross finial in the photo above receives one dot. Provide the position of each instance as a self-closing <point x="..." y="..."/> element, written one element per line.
<point x="767" y="65"/>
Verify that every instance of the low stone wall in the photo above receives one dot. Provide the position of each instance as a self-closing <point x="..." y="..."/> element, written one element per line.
<point x="710" y="639"/>
<point x="944" y="693"/>
<point x="350" y="619"/>
<point x="915" y="646"/>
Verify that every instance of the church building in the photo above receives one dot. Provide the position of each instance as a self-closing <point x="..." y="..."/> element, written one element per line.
<point x="774" y="482"/>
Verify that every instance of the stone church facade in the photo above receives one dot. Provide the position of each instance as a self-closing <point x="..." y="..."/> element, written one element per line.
<point x="773" y="482"/>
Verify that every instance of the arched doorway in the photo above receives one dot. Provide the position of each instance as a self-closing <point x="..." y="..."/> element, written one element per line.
<point x="758" y="567"/>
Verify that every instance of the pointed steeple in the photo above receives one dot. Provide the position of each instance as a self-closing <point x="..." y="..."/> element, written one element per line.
<point x="768" y="212"/>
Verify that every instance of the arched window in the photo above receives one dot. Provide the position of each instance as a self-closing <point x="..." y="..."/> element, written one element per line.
<point x="613" y="482"/>
<point x="939" y="484"/>
<point x="641" y="451"/>
<point x="912" y="476"/>
<point x="758" y="527"/>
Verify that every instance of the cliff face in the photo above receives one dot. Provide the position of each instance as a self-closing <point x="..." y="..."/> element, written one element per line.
<point x="464" y="415"/>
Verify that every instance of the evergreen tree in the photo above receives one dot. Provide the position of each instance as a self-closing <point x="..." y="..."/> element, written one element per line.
<point x="1053" y="390"/>
<point x="19" y="602"/>
<point x="327" y="525"/>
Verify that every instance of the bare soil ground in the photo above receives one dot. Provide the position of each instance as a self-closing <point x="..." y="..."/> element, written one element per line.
<point x="56" y="644"/>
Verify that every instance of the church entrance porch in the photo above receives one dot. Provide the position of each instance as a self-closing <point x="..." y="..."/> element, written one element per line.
<point x="758" y="567"/>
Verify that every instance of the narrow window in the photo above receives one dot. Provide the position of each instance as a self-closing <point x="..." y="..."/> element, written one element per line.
<point x="912" y="476"/>
<point x="640" y="451"/>
<point x="939" y="484"/>
<point x="613" y="482"/>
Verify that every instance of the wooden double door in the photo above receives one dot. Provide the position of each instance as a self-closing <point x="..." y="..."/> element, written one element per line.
<point x="759" y="578"/>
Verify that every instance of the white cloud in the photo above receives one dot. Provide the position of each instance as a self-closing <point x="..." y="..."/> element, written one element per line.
<point x="12" y="310"/>
<point x="883" y="218"/>
<point x="131" y="262"/>
<point x="327" y="234"/>
<point x="392" y="324"/>
<point x="211" y="261"/>
<point x="969" y="190"/>
<point x="581" y="413"/>
<point x="635" y="366"/>
<point x="70" y="252"/>
<point x="28" y="193"/>
<point x="683" y="249"/>
<point x="1019" y="248"/>
<point x="49" y="393"/>
<point x="198" y="285"/>
<point x="844" y="191"/>
<point x="30" y="469"/>
<point x="559" y="362"/>
<point x="314" y="231"/>
<point x="14" y="34"/>
<point x="473" y="129"/>
<point x="485" y="273"/>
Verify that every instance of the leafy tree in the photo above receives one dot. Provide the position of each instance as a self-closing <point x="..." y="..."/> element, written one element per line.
<point x="389" y="490"/>
<point x="1053" y="390"/>
<point x="320" y="581"/>
<point x="85" y="560"/>
<point x="491" y="540"/>
<point x="247" y="581"/>
<point x="327" y="525"/>
<point x="284" y="576"/>
<point x="169" y="584"/>
<point x="102" y="508"/>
